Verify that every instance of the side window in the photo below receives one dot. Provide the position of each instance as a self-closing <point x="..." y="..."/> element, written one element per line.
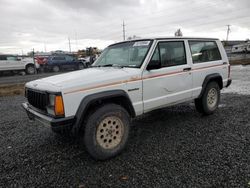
<point x="11" y="58"/>
<point x="69" y="58"/>
<point x="172" y="53"/>
<point x="169" y="54"/>
<point x="59" y="58"/>
<point x="204" y="51"/>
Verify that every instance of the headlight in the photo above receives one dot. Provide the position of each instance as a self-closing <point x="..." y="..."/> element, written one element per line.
<point x="55" y="106"/>
<point x="51" y="100"/>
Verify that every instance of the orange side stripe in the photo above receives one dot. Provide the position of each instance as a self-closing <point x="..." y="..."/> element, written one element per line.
<point x="137" y="79"/>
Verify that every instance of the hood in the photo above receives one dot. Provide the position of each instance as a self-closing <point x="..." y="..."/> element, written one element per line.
<point x="83" y="78"/>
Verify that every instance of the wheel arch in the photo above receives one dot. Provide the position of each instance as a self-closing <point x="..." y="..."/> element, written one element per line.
<point x="29" y="64"/>
<point x="209" y="78"/>
<point x="93" y="101"/>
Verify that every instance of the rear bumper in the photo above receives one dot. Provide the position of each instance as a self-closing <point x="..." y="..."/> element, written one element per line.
<point x="56" y="124"/>
<point x="229" y="82"/>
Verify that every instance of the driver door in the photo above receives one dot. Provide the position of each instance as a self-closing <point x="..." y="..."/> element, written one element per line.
<point x="167" y="79"/>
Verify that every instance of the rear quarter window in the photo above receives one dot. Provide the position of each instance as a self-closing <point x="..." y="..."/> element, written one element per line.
<point x="204" y="51"/>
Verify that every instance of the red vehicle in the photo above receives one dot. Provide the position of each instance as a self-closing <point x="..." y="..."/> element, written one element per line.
<point x="41" y="61"/>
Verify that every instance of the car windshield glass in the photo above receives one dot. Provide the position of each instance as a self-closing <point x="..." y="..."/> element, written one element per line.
<point x="127" y="54"/>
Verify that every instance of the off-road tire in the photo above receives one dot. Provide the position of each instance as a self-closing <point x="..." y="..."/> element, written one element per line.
<point x="209" y="101"/>
<point x="30" y="69"/>
<point x="98" y="128"/>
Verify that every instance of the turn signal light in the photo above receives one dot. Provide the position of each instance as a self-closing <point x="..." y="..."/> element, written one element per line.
<point x="59" y="108"/>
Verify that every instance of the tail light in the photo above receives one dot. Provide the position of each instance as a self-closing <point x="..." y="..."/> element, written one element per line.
<point x="229" y="71"/>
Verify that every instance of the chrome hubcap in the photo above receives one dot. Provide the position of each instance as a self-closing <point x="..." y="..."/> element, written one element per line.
<point x="212" y="98"/>
<point x="109" y="132"/>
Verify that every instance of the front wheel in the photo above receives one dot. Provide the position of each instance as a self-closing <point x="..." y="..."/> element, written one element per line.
<point x="81" y="66"/>
<point x="30" y="69"/>
<point x="210" y="99"/>
<point x="106" y="131"/>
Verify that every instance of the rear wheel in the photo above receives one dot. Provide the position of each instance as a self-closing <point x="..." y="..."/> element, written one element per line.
<point x="106" y="131"/>
<point x="30" y="69"/>
<point x="209" y="101"/>
<point x="56" y="68"/>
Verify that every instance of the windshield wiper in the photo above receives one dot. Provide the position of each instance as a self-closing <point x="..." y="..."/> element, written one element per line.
<point x="108" y="65"/>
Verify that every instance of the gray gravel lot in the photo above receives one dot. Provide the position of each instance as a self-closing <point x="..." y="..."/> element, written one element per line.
<point x="171" y="147"/>
<point x="16" y="79"/>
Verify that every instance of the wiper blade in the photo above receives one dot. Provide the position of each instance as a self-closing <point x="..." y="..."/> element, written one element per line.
<point x="107" y="65"/>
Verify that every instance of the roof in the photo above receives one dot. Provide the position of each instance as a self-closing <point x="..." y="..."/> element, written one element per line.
<point x="162" y="38"/>
<point x="165" y="38"/>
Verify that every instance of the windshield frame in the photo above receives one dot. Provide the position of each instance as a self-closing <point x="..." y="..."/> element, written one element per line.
<point x="129" y="41"/>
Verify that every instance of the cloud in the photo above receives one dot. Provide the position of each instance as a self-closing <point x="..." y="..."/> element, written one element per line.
<point x="30" y="24"/>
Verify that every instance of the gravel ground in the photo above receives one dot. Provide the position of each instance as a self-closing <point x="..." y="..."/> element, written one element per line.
<point x="171" y="147"/>
<point x="16" y="79"/>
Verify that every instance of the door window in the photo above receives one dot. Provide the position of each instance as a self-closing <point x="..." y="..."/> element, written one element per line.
<point x="171" y="53"/>
<point x="11" y="58"/>
<point x="204" y="51"/>
<point x="59" y="58"/>
<point x="69" y="58"/>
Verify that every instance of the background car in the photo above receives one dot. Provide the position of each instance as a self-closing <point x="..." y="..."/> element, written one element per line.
<point x="13" y="64"/>
<point x="56" y="63"/>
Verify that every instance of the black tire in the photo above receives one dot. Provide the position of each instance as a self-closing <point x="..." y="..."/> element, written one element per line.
<point x="94" y="138"/>
<point x="81" y="66"/>
<point x="55" y="68"/>
<point x="30" y="69"/>
<point x="198" y="105"/>
<point x="209" y="101"/>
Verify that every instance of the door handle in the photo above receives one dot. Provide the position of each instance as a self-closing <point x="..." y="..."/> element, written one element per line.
<point x="187" y="69"/>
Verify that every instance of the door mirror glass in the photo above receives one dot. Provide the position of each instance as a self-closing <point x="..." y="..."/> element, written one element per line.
<point x="154" y="64"/>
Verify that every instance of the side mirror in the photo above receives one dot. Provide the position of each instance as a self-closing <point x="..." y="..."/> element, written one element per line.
<point x="154" y="64"/>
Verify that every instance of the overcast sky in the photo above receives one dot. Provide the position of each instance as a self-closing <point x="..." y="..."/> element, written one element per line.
<point x="47" y="24"/>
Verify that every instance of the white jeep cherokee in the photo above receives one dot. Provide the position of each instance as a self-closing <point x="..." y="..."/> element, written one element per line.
<point x="129" y="79"/>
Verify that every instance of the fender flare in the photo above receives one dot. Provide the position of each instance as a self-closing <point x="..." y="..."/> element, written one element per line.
<point x="90" y="99"/>
<point x="208" y="78"/>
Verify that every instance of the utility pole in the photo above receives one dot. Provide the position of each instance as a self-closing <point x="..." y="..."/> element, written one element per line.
<point x="69" y="45"/>
<point x="228" y="31"/>
<point x="45" y="47"/>
<point x="76" y="41"/>
<point x="123" y="30"/>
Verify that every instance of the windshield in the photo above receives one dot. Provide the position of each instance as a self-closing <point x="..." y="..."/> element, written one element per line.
<point x="127" y="54"/>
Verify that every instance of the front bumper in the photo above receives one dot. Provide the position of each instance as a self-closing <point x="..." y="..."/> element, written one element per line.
<point x="229" y="82"/>
<point x="56" y="124"/>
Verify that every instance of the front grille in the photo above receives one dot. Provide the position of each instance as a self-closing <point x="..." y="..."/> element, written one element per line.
<point x="37" y="99"/>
